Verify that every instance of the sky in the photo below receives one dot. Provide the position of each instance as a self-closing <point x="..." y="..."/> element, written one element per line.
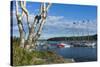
<point x="62" y="20"/>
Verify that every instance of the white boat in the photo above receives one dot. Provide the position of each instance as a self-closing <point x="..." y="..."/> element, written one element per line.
<point x="66" y="45"/>
<point x="93" y="45"/>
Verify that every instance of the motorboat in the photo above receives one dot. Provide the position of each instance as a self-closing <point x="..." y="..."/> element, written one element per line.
<point x="63" y="45"/>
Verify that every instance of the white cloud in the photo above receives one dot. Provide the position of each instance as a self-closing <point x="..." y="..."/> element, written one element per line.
<point x="62" y="22"/>
<point x="59" y="25"/>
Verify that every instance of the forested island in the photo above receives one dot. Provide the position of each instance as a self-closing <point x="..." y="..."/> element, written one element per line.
<point x="78" y="38"/>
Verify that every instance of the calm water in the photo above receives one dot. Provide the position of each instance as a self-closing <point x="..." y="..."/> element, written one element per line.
<point x="79" y="54"/>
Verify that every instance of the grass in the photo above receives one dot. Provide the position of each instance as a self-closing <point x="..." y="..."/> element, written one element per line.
<point x="23" y="57"/>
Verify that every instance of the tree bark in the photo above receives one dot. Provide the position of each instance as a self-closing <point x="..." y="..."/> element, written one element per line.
<point x="33" y="34"/>
<point x="21" y="31"/>
<point x="20" y="26"/>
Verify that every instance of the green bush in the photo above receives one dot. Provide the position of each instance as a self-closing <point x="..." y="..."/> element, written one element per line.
<point x="22" y="56"/>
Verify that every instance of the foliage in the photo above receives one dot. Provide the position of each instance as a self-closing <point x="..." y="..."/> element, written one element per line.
<point x="21" y="56"/>
<point x="92" y="37"/>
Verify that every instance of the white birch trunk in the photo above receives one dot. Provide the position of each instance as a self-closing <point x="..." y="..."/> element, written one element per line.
<point x="21" y="32"/>
<point x="33" y="35"/>
<point x="20" y="26"/>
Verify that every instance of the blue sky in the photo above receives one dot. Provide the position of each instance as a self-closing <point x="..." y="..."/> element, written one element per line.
<point x="61" y="18"/>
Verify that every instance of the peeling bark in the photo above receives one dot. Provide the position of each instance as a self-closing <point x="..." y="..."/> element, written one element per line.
<point x="20" y="26"/>
<point x="33" y="35"/>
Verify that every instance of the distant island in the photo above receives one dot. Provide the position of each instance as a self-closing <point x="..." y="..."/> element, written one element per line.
<point x="91" y="37"/>
<point x="78" y="38"/>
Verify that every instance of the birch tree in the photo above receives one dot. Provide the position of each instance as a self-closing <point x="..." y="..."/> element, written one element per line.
<point x="34" y="28"/>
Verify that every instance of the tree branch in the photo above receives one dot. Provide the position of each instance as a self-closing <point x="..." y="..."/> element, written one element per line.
<point x="43" y="12"/>
<point x="23" y="6"/>
<point x="48" y="6"/>
<point x="20" y="26"/>
<point x="38" y="33"/>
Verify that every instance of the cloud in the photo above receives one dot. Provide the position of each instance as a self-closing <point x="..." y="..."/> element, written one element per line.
<point x="58" y="26"/>
<point x="62" y="22"/>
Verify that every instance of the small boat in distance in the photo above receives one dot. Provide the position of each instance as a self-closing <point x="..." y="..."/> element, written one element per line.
<point x="63" y="45"/>
<point x="93" y="45"/>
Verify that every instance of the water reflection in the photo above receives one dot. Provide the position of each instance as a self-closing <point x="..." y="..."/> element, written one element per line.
<point x="81" y="53"/>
